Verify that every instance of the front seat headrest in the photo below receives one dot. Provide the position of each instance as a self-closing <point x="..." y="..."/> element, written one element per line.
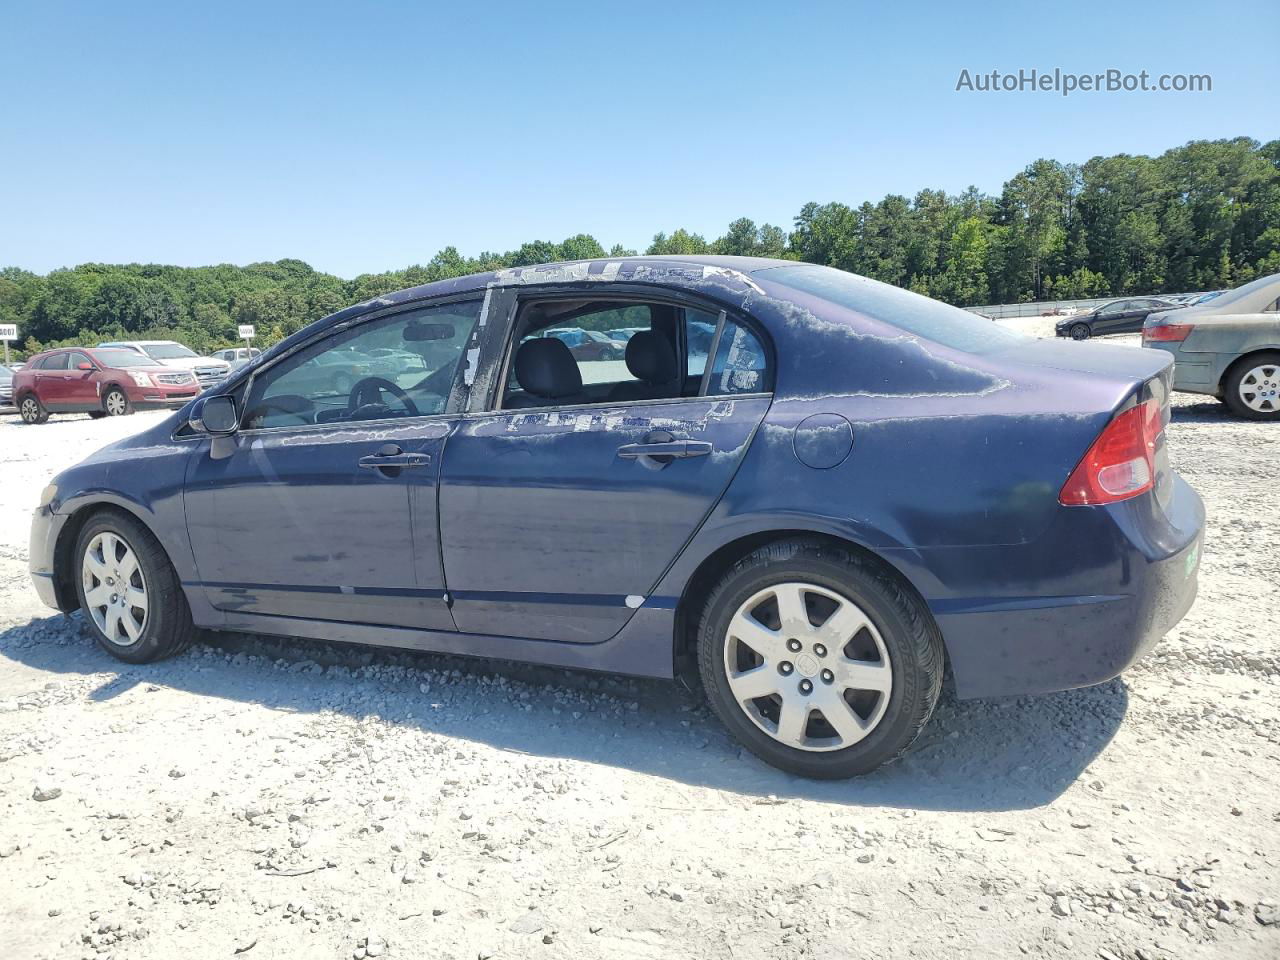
<point x="651" y="358"/>
<point x="546" y="368"/>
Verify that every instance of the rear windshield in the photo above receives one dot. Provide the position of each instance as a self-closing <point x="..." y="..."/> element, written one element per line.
<point x="119" y="358"/>
<point x="931" y="319"/>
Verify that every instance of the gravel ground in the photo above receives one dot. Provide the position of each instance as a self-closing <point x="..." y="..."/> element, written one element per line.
<point x="287" y="799"/>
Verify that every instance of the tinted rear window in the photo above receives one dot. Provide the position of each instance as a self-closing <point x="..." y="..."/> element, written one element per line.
<point x="903" y="309"/>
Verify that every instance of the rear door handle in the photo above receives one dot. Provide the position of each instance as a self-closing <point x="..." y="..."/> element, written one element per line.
<point x="675" y="449"/>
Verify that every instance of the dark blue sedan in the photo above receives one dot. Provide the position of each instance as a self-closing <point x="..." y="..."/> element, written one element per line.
<point x="840" y="490"/>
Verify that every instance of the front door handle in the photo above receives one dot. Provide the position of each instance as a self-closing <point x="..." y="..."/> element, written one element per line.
<point x="390" y="459"/>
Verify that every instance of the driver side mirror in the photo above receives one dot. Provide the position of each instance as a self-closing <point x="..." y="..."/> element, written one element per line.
<point x="215" y="416"/>
<point x="84" y="365"/>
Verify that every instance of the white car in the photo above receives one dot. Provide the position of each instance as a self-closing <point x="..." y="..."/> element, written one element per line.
<point x="207" y="370"/>
<point x="237" y="356"/>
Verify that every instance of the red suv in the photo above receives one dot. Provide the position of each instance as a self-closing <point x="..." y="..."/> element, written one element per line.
<point x="102" y="382"/>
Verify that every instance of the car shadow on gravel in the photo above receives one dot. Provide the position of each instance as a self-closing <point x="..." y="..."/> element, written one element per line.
<point x="973" y="755"/>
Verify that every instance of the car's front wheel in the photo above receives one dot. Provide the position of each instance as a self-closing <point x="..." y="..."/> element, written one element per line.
<point x="128" y="590"/>
<point x="818" y="660"/>
<point x="1252" y="387"/>
<point x="32" y="409"/>
<point x="115" y="403"/>
<point x="1080" y="331"/>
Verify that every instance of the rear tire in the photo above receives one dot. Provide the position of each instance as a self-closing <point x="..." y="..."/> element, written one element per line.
<point x="32" y="410"/>
<point x="115" y="403"/>
<point x="1251" y="388"/>
<point x="1080" y="331"/>
<point x="128" y="590"/>
<point x="838" y="699"/>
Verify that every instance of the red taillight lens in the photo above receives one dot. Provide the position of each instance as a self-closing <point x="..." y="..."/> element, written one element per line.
<point x="1167" y="333"/>
<point x="1121" y="463"/>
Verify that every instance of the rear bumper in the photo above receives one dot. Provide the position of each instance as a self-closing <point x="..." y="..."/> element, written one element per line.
<point x="1029" y="644"/>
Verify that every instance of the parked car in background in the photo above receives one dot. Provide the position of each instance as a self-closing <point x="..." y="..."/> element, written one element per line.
<point x="207" y="370"/>
<point x="1227" y="347"/>
<point x="99" y="381"/>
<point x="6" y="386"/>
<point x="588" y="344"/>
<point x="1206" y="297"/>
<point x="759" y="519"/>
<point x="1119" y="316"/>
<point x="623" y="334"/>
<point x="236" y="357"/>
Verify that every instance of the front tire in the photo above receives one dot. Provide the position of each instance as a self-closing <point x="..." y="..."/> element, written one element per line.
<point x="1080" y="331"/>
<point x="1251" y="387"/>
<point x="818" y="660"/>
<point x="115" y="403"/>
<point x="128" y="590"/>
<point x="32" y="410"/>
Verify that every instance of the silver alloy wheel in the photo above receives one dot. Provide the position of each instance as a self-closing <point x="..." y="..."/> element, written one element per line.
<point x="813" y="687"/>
<point x="1260" y="388"/>
<point x="30" y="410"/>
<point x="116" y="403"/>
<point x="115" y="591"/>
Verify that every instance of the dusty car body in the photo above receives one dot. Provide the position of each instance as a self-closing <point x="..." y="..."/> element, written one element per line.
<point x="1227" y="347"/>
<point x="874" y="481"/>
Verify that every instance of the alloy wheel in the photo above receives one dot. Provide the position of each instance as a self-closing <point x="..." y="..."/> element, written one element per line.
<point x="116" y="403"/>
<point x="115" y="591"/>
<point x="808" y="666"/>
<point x="30" y="410"/>
<point x="1260" y="388"/>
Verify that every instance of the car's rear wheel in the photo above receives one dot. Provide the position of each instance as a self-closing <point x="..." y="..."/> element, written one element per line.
<point x="1252" y="386"/>
<point x="32" y="410"/>
<point x="1080" y="331"/>
<point x="818" y="660"/>
<point x="115" y="403"/>
<point x="128" y="590"/>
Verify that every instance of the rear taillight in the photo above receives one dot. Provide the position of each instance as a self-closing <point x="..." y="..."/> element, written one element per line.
<point x="1121" y="462"/>
<point x="1166" y="333"/>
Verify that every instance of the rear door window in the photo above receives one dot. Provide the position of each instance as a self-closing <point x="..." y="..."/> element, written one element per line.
<point x="56" y="362"/>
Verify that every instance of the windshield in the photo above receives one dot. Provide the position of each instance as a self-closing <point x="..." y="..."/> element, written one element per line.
<point x="120" y="358"/>
<point x="903" y="309"/>
<point x="168" y="351"/>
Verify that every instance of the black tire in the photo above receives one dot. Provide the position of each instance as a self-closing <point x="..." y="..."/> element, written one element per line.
<point x="910" y="636"/>
<point x="167" y="629"/>
<point x="115" y="403"/>
<point x="1080" y="331"/>
<point x="32" y="410"/>
<point x="1235" y="377"/>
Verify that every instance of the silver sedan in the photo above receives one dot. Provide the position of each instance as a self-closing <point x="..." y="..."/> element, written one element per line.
<point x="1228" y="347"/>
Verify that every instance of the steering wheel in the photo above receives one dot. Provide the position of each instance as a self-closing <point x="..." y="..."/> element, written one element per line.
<point x="368" y="393"/>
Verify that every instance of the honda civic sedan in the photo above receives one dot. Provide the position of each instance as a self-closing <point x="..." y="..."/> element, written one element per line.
<point x="844" y="490"/>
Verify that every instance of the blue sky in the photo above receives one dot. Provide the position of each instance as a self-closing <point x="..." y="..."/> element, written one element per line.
<point x="364" y="137"/>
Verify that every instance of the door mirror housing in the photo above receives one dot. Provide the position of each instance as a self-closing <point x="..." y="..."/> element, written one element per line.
<point x="216" y="416"/>
<point x="84" y="365"/>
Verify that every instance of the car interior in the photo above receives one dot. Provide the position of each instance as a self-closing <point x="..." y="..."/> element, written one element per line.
<point x="665" y="357"/>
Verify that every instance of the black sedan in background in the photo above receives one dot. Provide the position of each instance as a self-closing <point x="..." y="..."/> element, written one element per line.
<point x="1119" y="316"/>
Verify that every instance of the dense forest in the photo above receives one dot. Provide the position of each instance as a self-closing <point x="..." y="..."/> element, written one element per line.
<point x="1202" y="216"/>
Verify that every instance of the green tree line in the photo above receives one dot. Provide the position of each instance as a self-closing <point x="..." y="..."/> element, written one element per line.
<point x="1201" y="216"/>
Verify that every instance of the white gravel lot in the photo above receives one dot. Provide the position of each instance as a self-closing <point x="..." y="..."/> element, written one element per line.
<point x="287" y="799"/>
